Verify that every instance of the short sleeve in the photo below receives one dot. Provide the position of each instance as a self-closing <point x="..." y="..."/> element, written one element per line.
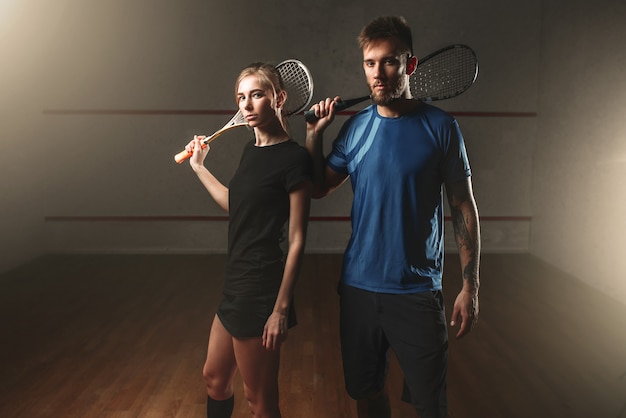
<point x="300" y="169"/>
<point x="456" y="164"/>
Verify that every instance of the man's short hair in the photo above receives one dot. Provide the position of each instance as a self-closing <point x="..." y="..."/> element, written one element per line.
<point x="385" y="27"/>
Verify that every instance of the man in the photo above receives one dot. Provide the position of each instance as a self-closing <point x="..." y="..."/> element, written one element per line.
<point x="398" y="154"/>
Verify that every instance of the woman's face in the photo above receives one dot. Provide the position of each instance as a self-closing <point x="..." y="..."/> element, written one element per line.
<point x="255" y="102"/>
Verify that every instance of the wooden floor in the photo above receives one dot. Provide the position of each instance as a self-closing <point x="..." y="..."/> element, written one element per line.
<point x="125" y="336"/>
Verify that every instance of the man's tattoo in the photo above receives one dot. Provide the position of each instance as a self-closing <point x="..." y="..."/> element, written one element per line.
<point x="460" y="228"/>
<point x="467" y="243"/>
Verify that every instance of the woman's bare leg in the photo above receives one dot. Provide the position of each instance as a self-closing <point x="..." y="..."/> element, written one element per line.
<point x="220" y="366"/>
<point x="259" y="372"/>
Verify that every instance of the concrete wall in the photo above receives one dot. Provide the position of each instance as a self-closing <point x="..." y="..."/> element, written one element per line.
<point x="157" y="57"/>
<point x="106" y="182"/>
<point x="580" y="156"/>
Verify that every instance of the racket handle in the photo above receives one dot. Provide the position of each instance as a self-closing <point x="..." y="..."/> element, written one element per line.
<point x="309" y="115"/>
<point x="183" y="155"/>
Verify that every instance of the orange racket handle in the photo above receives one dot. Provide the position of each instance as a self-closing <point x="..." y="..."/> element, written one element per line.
<point x="183" y="155"/>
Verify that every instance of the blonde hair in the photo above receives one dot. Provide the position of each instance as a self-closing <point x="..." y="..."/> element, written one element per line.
<point x="270" y="79"/>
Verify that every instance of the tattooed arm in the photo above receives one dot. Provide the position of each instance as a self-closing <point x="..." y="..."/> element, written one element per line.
<point x="467" y="234"/>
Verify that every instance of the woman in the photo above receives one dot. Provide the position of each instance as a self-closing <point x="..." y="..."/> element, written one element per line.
<point x="271" y="186"/>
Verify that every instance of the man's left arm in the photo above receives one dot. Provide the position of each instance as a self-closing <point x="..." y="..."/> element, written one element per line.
<point x="464" y="215"/>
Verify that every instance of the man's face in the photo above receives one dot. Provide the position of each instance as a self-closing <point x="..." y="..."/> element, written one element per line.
<point x="385" y="71"/>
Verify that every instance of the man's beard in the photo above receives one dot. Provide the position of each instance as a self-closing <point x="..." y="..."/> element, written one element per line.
<point x="384" y="98"/>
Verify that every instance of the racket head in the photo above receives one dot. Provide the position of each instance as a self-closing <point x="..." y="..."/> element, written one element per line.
<point x="445" y="73"/>
<point x="298" y="83"/>
<point x="235" y="121"/>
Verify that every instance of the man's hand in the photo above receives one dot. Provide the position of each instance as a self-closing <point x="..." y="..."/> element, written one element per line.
<point x="466" y="310"/>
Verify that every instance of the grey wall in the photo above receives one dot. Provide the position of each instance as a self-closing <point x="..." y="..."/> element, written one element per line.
<point x="23" y="175"/>
<point x="579" y="195"/>
<point x="164" y="55"/>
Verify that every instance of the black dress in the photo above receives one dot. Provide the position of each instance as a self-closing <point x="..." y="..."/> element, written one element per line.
<point x="258" y="213"/>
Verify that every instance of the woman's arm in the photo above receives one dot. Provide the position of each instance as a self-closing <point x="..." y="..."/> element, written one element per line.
<point x="217" y="190"/>
<point x="275" y="330"/>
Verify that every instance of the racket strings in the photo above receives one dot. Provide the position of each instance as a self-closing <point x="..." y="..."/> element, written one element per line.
<point x="445" y="75"/>
<point x="238" y="119"/>
<point x="298" y="84"/>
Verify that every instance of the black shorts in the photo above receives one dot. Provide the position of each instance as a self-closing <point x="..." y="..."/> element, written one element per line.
<point x="414" y="326"/>
<point x="245" y="317"/>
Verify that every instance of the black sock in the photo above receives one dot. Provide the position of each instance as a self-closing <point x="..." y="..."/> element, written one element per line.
<point x="219" y="409"/>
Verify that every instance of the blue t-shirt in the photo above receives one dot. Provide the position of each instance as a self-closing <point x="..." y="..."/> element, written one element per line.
<point x="397" y="167"/>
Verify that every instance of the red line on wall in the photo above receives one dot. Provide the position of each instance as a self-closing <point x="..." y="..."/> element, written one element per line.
<point x="225" y="218"/>
<point x="184" y="112"/>
<point x="496" y="114"/>
<point x="62" y="112"/>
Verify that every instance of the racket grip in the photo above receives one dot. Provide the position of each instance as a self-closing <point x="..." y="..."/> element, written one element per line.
<point x="309" y="115"/>
<point x="182" y="156"/>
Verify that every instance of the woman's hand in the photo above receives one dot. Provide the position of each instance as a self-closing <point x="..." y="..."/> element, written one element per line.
<point x="199" y="151"/>
<point x="275" y="331"/>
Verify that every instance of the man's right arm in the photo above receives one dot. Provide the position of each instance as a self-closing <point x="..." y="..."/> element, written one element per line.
<point x="325" y="179"/>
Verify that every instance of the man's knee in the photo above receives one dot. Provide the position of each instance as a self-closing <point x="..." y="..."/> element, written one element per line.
<point x="359" y="389"/>
<point x="375" y="405"/>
